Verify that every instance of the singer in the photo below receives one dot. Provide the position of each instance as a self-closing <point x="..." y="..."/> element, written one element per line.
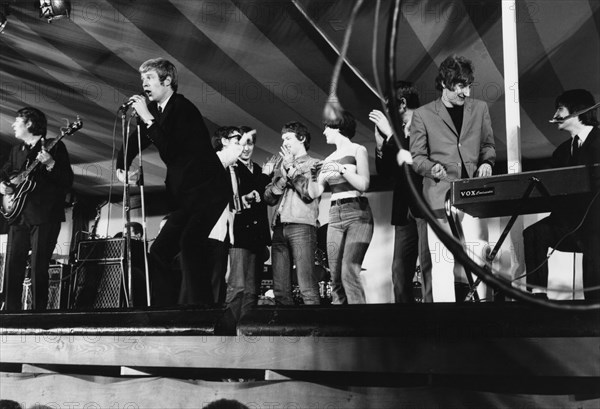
<point x="196" y="183"/>
<point x="576" y="228"/>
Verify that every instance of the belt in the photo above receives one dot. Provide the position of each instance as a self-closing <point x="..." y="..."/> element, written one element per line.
<point x="359" y="199"/>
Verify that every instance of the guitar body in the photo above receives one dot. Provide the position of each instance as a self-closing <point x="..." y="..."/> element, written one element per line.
<point x="12" y="204"/>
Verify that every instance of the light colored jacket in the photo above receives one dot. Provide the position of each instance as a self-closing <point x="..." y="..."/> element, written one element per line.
<point x="291" y="197"/>
<point x="434" y="139"/>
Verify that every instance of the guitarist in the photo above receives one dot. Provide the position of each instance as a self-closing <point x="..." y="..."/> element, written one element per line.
<point x="37" y="226"/>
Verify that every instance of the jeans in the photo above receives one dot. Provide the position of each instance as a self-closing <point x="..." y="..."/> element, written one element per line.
<point x="294" y="242"/>
<point x="348" y="237"/>
<point x="244" y="280"/>
<point x="410" y="241"/>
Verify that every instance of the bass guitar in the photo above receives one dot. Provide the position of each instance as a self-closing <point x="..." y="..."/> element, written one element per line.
<point x="22" y="183"/>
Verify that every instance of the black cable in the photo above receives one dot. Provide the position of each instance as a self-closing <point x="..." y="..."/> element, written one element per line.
<point x="450" y="242"/>
<point x="563" y="238"/>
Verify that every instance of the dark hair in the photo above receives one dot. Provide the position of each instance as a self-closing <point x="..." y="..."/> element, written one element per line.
<point x="223" y="132"/>
<point x="164" y="68"/>
<point x="226" y="404"/>
<point x="345" y="123"/>
<point x="245" y="129"/>
<point x="577" y="99"/>
<point x="404" y="90"/>
<point x="39" y="123"/>
<point x="136" y="228"/>
<point x="454" y="70"/>
<point x="300" y="130"/>
<point x="9" y="404"/>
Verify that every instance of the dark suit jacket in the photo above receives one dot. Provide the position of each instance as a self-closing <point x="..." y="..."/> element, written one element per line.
<point x="402" y="202"/>
<point x="251" y="227"/>
<point x="434" y="139"/>
<point x="46" y="202"/>
<point x="194" y="172"/>
<point x="589" y="153"/>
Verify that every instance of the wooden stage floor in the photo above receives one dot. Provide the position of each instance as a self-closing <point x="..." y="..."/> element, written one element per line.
<point x="508" y="354"/>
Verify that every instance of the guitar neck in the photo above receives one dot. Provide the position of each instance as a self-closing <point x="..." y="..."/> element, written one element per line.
<point x="36" y="162"/>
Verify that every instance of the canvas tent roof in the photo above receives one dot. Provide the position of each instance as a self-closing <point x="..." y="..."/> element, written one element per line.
<point x="262" y="63"/>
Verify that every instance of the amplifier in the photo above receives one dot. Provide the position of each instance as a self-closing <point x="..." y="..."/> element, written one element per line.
<point x="102" y="250"/>
<point x="100" y="274"/>
<point x="58" y="286"/>
<point x="59" y="281"/>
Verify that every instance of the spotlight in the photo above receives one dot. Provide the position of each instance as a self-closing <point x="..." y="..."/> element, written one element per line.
<point x="4" y="12"/>
<point x="54" y="9"/>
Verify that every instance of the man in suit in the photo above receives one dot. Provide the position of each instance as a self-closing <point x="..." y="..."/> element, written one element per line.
<point x="38" y="225"/>
<point x="572" y="227"/>
<point x="451" y="138"/>
<point x="196" y="182"/>
<point x="410" y="230"/>
<point x="251" y="232"/>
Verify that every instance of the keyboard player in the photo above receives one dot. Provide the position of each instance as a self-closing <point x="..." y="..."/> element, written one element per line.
<point x="582" y="148"/>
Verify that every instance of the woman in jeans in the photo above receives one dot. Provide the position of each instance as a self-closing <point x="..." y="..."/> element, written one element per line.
<point x="350" y="229"/>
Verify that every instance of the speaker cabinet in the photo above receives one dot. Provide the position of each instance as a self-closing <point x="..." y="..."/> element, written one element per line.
<point x="58" y="286"/>
<point x="98" y="285"/>
<point x="101" y="273"/>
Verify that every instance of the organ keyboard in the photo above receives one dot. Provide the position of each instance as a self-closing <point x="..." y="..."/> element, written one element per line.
<point x="505" y="195"/>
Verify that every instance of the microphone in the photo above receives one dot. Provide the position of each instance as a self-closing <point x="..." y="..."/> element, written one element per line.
<point x="125" y="106"/>
<point x="557" y="120"/>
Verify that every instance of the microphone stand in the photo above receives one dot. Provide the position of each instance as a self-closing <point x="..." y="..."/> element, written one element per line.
<point x="126" y="209"/>
<point x="143" y="204"/>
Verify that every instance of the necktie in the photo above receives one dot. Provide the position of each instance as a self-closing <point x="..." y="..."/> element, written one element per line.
<point x="574" y="150"/>
<point x="236" y="205"/>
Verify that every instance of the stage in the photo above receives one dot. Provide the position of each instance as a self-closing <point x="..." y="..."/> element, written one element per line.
<point x="424" y="355"/>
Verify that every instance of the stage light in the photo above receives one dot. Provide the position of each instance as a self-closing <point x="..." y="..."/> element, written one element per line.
<point x="4" y="12"/>
<point x="54" y="9"/>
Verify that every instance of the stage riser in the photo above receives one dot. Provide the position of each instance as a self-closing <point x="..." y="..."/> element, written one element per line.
<point x="61" y="391"/>
<point x="491" y="356"/>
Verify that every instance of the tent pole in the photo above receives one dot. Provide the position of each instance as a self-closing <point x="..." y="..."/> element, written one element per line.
<point x="513" y="120"/>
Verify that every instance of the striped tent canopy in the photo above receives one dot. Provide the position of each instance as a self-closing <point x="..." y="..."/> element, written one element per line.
<point x="263" y="63"/>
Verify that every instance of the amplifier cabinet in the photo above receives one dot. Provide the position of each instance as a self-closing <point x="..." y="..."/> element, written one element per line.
<point x="98" y="285"/>
<point x="59" y="281"/>
<point x="58" y="286"/>
<point x="104" y="250"/>
<point x="101" y="273"/>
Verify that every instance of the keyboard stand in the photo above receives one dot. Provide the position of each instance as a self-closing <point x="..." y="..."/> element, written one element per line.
<point x="456" y="228"/>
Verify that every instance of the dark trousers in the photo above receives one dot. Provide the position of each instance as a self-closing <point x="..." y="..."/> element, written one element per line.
<point x="410" y="241"/>
<point x="22" y="237"/>
<point x="183" y="235"/>
<point x="214" y="263"/>
<point x="243" y="284"/>
<point x="545" y="234"/>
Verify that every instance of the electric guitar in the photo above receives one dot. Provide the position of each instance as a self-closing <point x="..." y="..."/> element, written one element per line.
<point x="22" y="183"/>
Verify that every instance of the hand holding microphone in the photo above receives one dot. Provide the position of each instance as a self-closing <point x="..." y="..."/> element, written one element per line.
<point x="138" y="103"/>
